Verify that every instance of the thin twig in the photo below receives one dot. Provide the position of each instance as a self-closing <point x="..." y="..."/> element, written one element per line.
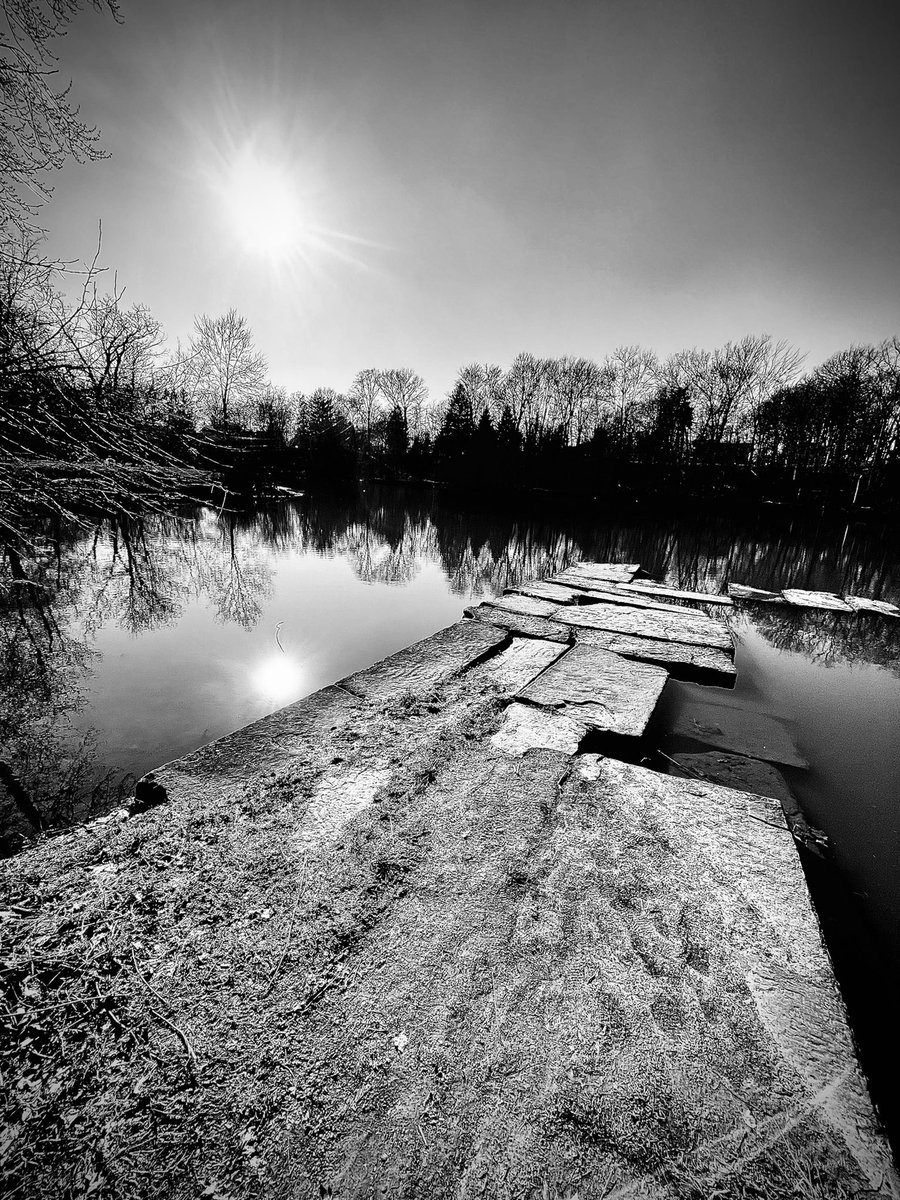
<point x="189" y="1049"/>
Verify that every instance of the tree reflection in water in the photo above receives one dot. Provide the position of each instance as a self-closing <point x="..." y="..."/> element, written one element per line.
<point x="144" y="574"/>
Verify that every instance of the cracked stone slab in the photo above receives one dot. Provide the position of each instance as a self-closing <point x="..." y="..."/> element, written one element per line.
<point x="647" y="588"/>
<point x="882" y="607"/>
<point x="520" y="623"/>
<point x="827" y="601"/>
<point x="704" y="660"/>
<point x="609" y="693"/>
<point x="522" y="660"/>
<point x="424" y="665"/>
<point x="679" y="625"/>
<point x="727" y="725"/>
<point x="603" y="572"/>
<point x="527" y="728"/>
<point x="740" y="591"/>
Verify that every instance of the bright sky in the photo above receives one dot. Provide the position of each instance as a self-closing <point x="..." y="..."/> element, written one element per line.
<point x="426" y="183"/>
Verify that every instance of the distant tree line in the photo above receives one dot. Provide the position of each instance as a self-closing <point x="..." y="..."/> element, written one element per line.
<point x="92" y="405"/>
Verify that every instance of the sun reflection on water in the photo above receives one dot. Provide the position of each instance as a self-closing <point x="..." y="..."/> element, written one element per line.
<point x="278" y="678"/>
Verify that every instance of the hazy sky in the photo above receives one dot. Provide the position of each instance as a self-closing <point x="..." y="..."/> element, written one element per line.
<point x="459" y="181"/>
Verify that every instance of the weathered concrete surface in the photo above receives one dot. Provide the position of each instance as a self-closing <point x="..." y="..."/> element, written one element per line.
<point x="521" y="623"/>
<point x="703" y="661"/>
<point x="729" y="725"/>
<point x="599" y="689"/>
<point x="882" y="607"/>
<point x="522" y="660"/>
<point x="682" y="625"/>
<point x="740" y="591"/>
<point x="525" y="728"/>
<point x="824" y="600"/>
<point x="581" y="572"/>
<point x="647" y="587"/>
<point x="364" y="950"/>
<point x="427" y="663"/>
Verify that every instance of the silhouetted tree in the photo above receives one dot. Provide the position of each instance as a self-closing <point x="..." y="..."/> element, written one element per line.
<point x="228" y="371"/>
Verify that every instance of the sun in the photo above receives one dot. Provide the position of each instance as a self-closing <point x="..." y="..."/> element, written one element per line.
<point x="262" y="205"/>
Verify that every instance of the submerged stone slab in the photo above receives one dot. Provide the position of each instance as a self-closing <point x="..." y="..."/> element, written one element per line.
<point x="601" y="572"/>
<point x="426" y="664"/>
<point x="526" y="728"/>
<point x="522" y="660"/>
<point x="882" y="607"/>
<point x="649" y="588"/>
<point x="678" y="625"/>
<point x="725" y="723"/>
<point x="520" y="623"/>
<point x="739" y="772"/>
<point x="609" y="693"/>
<point x="827" y="601"/>
<point x="740" y="591"/>
<point x="702" y="660"/>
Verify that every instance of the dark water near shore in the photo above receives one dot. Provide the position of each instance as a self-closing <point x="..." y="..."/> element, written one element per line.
<point x="155" y="638"/>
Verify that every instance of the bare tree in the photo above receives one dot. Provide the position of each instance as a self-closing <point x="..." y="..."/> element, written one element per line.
<point x="366" y="402"/>
<point x="578" y="395"/>
<point x="41" y="127"/>
<point x="110" y="349"/>
<point x="274" y="414"/>
<point x="229" y="372"/>
<point x="633" y="377"/>
<point x="403" y="388"/>
<point x="482" y="385"/>
<point x="727" y="384"/>
<point x="521" y="389"/>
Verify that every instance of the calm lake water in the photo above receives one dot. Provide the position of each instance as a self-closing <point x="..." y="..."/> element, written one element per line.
<point x="159" y="637"/>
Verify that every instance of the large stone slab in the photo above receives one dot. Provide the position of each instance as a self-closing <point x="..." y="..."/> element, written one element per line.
<point x="521" y="661"/>
<point x="727" y="724"/>
<point x="712" y="665"/>
<point x="592" y="686"/>
<point x="882" y="607"/>
<point x="531" y="606"/>
<point x="649" y="588"/>
<point x="740" y="591"/>
<point x="731" y="885"/>
<point x="521" y="623"/>
<point x="426" y="664"/>
<point x="678" y="625"/>
<point x="525" y="728"/>
<point x="616" y="594"/>
<point x="580" y="572"/>
<point x="827" y="601"/>
<point x="544" y="590"/>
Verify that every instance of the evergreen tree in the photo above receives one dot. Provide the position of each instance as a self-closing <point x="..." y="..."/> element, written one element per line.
<point x="509" y="438"/>
<point x="458" y="430"/>
<point x="396" y="438"/>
